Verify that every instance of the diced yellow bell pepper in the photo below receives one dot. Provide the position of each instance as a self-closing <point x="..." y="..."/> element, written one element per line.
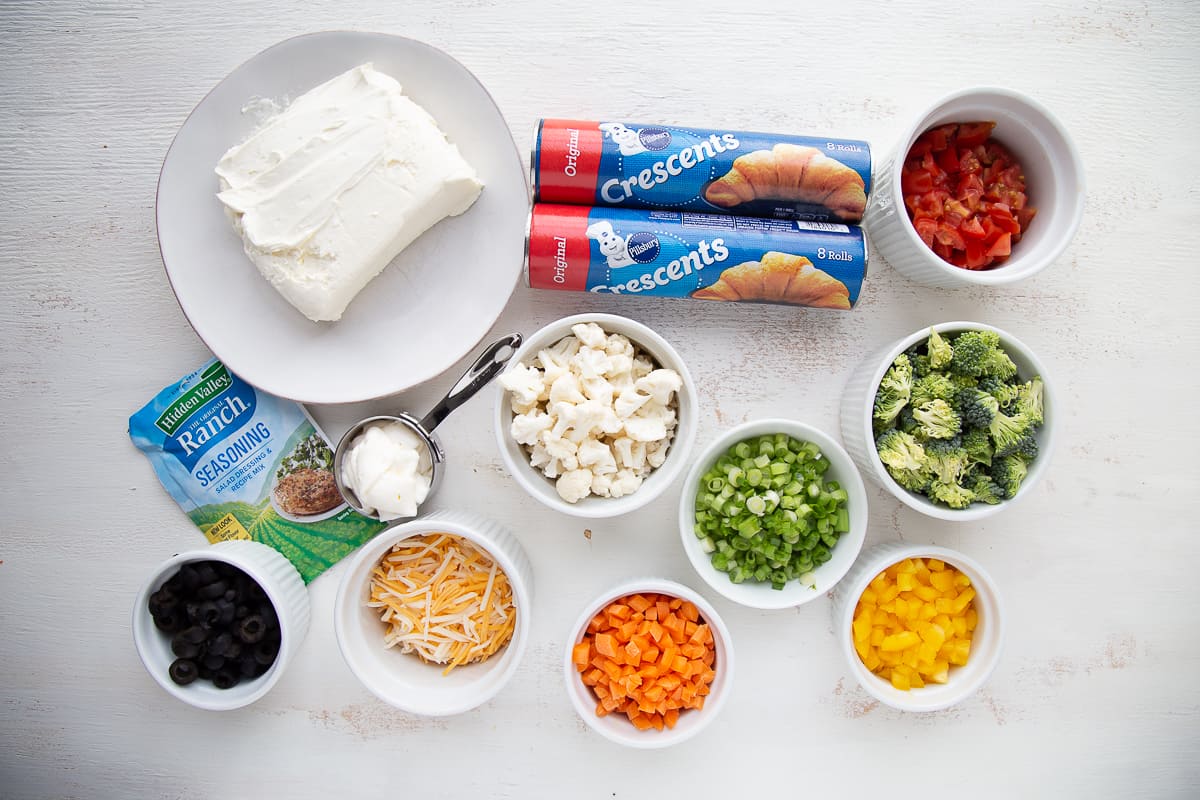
<point x="899" y="641"/>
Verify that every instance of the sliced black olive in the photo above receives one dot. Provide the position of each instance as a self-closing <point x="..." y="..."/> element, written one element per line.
<point x="171" y="621"/>
<point x="219" y="644"/>
<point x="213" y="661"/>
<point x="183" y="671"/>
<point x="183" y="648"/>
<point x="226" y="678"/>
<point x="212" y="591"/>
<point x="265" y="653"/>
<point x="208" y="614"/>
<point x="251" y="629"/>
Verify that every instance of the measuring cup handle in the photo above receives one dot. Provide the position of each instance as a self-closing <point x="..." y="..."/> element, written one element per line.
<point x="486" y="367"/>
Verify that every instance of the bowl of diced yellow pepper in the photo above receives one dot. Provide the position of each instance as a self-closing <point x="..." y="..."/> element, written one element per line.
<point x="921" y="626"/>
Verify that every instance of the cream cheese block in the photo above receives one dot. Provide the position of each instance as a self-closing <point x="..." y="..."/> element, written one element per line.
<point x="326" y="193"/>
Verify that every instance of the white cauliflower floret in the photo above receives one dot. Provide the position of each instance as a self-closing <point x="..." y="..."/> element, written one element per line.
<point x="558" y="447"/>
<point x="574" y="485"/>
<point x="591" y="363"/>
<point x="597" y="388"/>
<point x="593" y="413"/>
<point x="598" y="456"/>
<point x="590" y="334"/>
<point x="525" y="384"/>
<point x="629" y="401"/>
<point x="526" y="428"/>
<point x="566" y="389"/>
<point x="656" y="453"/>
<point x="620" y="364"/>
<point x="644" y="428"/>
<point x="660" y="384"/>
<point x="625" y="482"/>
<point x="619" y="345"/>
<point x="602" y="484"/>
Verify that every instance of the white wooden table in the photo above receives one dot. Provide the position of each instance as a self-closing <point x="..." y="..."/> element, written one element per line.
<point x="1098" y="693"/>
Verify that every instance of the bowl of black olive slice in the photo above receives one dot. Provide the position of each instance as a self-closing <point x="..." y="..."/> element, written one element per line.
<point x="217" y="627"/>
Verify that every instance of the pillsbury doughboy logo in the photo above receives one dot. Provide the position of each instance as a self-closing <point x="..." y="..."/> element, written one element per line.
<point x="623" y="251"/>
<point x="626" y="139"/>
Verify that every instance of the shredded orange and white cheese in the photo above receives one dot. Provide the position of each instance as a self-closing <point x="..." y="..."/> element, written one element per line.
<point x="443" y="598"/>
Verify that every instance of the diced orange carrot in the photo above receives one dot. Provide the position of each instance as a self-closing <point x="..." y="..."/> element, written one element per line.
<point x="619" y="611"/>
<point x="638" y="603"/>
<point x="649" y="657"/>
<point x="605" y="645"/>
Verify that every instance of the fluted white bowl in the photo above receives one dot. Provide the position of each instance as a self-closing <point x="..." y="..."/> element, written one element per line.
<point x="1054" y="180"/>
<point x="986" y="641"/>
<point x="858" y="405"/>
<point x="284" y="588"/>
<point x="542" y="488"/>
<point x="756" y="594"/>
<point x="616" y="727"/>
<point x="401" y="679"/>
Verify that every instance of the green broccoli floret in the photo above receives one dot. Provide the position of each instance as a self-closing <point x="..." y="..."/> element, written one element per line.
<point x="986" y="490"/>
<point x="940" y="351"/>
<point x="1004" y="392"/>
<point x="937" y="419"/>
<point x="935" y="386"/>
<point x="947" y="461"/>
<point x="964" y="381"/>
<point x="904" y="458"/>
<point x="894" y="390"/>
<point x="1011" y="434"/>
<point x="920" y="364"/>
<point x="951" y="494"/>
<point x="1029" y="400"/>
<point x="978" y="353"/>
<point x="977" y="408"/>
<point x="978" y="445"/>
<point x="907" y="422"/>
<point x="1026" y="447"/>
<point x="1008" y="472"/>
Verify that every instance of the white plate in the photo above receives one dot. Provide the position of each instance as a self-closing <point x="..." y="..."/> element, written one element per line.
<point x="423" y="313"/>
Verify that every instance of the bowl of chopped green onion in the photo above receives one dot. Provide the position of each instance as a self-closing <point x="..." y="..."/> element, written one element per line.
<point x="955" y="420"/>
<point x="773" y="513"/>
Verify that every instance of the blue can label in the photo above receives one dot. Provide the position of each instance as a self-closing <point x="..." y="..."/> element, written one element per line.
<point x="700" y="256"/>
<point x="619" y="164"/>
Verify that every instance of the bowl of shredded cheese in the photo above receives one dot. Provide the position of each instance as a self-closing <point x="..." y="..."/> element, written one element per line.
<point x="433" y="615"/>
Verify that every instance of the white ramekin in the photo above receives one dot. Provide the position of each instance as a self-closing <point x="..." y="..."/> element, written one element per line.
<point x="615" y="726"/>
<point x="404" y="680"/>
<point x="284" y="588"/>
<point x="1054" y="178"/>
<point x="986" y="641"/>
<point x="542" y="488"/>
<point x="858" y="405"/>
<point x="760" y="595"/>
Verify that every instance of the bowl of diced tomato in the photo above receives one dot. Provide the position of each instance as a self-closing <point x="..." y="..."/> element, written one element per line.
<point x="985" y="188"/>
<point x="649" y="664"/>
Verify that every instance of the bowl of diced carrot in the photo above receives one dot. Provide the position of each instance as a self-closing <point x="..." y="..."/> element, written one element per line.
<point x="649" y="664"/>
<point x="921" y="626"/>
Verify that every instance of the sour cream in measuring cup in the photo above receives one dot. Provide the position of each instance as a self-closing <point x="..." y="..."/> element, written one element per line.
<point x="388" y="468"/>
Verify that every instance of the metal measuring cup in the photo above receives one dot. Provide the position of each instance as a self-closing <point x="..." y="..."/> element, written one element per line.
<point x="488" y="365"/>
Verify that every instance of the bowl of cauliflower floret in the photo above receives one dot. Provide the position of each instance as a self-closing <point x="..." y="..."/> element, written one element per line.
<point x="596" y="415"/>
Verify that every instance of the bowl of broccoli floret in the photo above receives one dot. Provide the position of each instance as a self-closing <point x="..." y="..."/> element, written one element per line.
<point x="954" y="420"/>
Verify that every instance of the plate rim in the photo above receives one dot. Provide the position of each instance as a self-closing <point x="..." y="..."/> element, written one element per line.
<point x="333" y="398"/>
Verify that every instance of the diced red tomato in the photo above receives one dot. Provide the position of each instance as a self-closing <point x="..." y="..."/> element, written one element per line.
<point x="965" y="194"/>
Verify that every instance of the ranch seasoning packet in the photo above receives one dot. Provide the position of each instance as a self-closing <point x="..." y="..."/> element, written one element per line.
<point x="244" y="464"/>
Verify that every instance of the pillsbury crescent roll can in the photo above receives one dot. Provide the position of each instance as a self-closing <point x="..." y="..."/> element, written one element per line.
<point x="701" y="256"/>
<point x="667" y="168"/>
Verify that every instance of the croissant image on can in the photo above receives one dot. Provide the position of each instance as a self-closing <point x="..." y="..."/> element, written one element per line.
<point x="791" y="173"/>
<point x="778" y="278"/>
